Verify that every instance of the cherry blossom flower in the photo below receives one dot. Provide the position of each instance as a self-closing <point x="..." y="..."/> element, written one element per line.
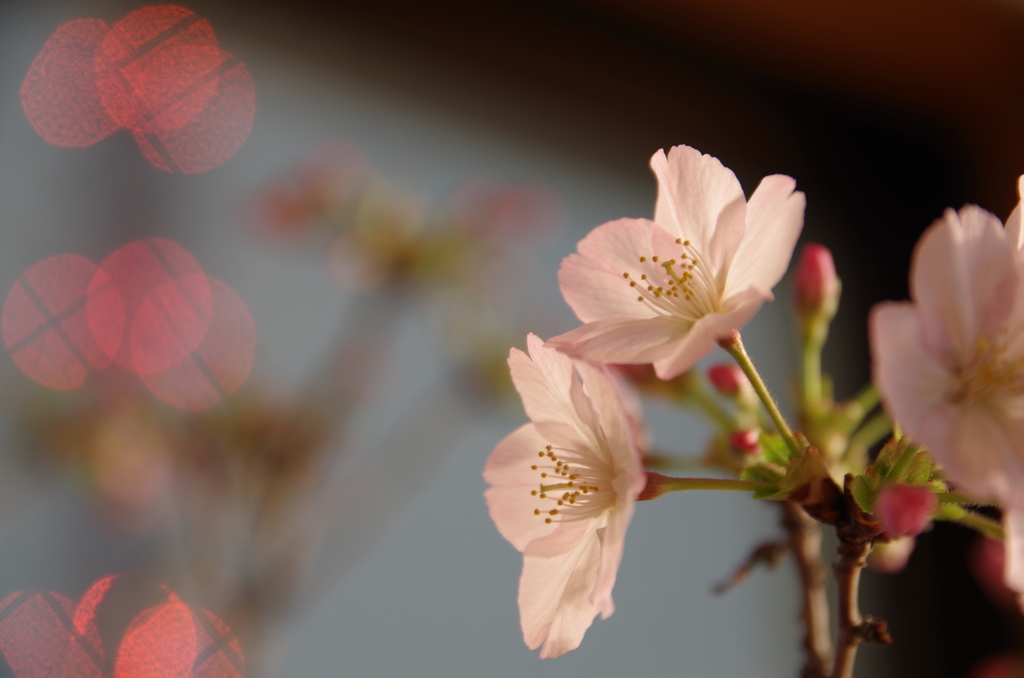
<point x="950" y="364"/>
<point x="562" y="492"/>
<point x="665" y="291"/>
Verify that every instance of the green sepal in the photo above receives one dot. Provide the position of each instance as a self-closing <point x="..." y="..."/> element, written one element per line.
<point x="919" y="471"/>
<point x="810" y="467"/>
<point x="763" y="474"/>
<point x="774" y="448"/>
<point x="886" y="460"/>
<point x="863" y="493"/>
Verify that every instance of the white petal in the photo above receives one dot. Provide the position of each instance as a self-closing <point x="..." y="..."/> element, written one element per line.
<point x="625" y="341"/>
<point x="775" y="217"/>
<point x="693" y="190"/>
<point x="963" y="278"/>
<point x="554" y="605"/>
<point x="702" y="339"/>
<point x="543" y="379"/>
<point x="980" y="451"/>
<point x="509" y="501"/>
<point x="1013" y="524"/>
<point x="1014" y="231"/>
<point x="913" y="384"/>
<point x="592" y="281"/>
<point x="627" y="486"/>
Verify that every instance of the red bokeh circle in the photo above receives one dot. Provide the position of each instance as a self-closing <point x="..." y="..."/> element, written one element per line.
<point x="156" y="69"/>
<point x="175" y="318"/>
<point x="59" y="94"/>
<point x="220" y="364"/>
<point x="45" y="325"/>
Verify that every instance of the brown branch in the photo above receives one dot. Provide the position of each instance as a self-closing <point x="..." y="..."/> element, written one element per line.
<point x="805" y="543"/>
<point x="856" y="531"/>
<point x="853" y="628"/>
<point x="770" y="554"/>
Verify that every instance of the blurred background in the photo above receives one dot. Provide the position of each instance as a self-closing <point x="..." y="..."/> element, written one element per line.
<point x="414" y="174"/>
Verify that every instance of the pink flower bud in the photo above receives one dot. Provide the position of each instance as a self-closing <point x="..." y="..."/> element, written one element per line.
<point x="891" y="557"/>
<point x="728" y="379"/>
<point x="905" y="510"/>
<point x="816" y="282"/>
<point x="745" y="441"/>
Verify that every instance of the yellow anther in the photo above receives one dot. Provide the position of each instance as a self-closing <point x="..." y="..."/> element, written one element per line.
<point x="547" y="520"/>
<point x="553" y="512"/>
<point x="533" y="493"/>
<point x="643" y="259"/>
<point x="654" y="259"/>
<point x="534" y="467"/>
<point x="536" y="512"/>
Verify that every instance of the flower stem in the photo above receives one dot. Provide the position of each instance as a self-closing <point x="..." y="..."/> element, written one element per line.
<point x="812" y="391"/>
<point x="976" y="521"/>
<point x="873" y="430"/>
<point x="734" y="346"/>
<point x="696" y="394"/>
<point x="960" y="498"/>
<point x="658" y="485"/>
<point x="865" y="401"/>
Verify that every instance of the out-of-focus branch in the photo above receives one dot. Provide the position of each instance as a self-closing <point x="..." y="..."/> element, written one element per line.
<point x="805" y="543"/>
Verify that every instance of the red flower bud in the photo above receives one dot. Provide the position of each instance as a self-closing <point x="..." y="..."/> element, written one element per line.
<point x="904" y="510"/>
<point x="728" y="379"/>
<point x="745" y="441"/>
<point x="816" y="284"/>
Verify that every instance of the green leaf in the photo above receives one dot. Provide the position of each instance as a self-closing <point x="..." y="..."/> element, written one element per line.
<point x="774" y="448"/>
<point x="863" y="493"/>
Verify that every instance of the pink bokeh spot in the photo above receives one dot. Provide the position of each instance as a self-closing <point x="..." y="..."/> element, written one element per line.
<point x="59" y="94"/>
<point x="220" y="364"/>
<point x="145" y="276"/>
<point x="45" y="328"/>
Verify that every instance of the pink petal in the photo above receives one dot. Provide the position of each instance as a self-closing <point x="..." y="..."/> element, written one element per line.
<point x="509" y="500"/>
<point x="543" y="379"/>
<point x="693" y="190"/>
<point x="914" y="386"/>
<point x="622" y="341"/>
<point x="613" y="539"/>
<point x="1014" y="232"/>
<point x="554" y="606"/>
<point x="775" y="217"/>
<point x="592" y="281"/>
<point x="980" y="450"/>
<point x="963" y="278"/>
<point x="1013" y="524"/>
<point x="702" y="339"/>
